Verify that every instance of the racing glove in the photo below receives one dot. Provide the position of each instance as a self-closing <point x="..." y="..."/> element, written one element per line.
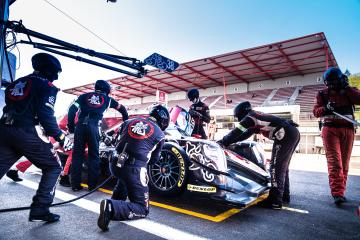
<point x="65" y="142"/>
<point x="329" y="108"/>
<point x="194" y="113"/>
<point x="221" y="143"/>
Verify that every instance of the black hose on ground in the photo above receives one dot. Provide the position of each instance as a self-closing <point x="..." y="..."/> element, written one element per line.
<point x="60" y="203"/>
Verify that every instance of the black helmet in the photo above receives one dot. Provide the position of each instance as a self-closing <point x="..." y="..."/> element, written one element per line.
<point x="47" y="65"/>
<point x="193" y="94"/>
<point x="334" y="78"/>
<point x="161" y="115"/>
<point x="102" y="86"/>
<point x="241" y="110"/>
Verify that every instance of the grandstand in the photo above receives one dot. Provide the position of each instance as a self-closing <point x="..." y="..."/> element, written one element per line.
<point x="280" y="78"/>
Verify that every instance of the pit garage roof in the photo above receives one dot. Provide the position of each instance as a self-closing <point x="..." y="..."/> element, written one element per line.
<point x="298" y="56"/>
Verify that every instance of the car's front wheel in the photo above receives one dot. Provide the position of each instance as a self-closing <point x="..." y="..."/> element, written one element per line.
<point x="167" y="176"/>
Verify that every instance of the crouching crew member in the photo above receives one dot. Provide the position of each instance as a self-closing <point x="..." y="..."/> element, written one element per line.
<point x="87" y="131"/>
<point x="30" y="103"/>
<point x="286" y="137"/>
<point x="199" y="111"/>
<point x="141" y="140"/>
<point x="337" y="133"/>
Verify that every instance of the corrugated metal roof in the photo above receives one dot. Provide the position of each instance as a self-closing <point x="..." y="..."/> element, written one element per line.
<point x="298" y="56"/>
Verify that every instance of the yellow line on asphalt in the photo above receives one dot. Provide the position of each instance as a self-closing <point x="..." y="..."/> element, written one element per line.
<point x="218" y="218"/>
<point x="196" y="214"/>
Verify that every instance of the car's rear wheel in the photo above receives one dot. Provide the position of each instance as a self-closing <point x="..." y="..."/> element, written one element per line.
<point x="167" y="176"/>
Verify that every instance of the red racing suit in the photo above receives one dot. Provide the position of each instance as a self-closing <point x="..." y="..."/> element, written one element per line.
<point x="337" y="133"/>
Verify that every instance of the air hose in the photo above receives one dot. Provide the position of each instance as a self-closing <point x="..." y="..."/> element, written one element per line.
<point x="60" y="203"/>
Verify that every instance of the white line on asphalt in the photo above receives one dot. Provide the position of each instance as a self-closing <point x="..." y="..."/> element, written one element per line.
<point x="295" y="210"/>
<point x="142" y="224"/>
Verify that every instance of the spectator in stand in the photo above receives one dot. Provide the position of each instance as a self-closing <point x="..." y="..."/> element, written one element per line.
<point x="212" y="128"/>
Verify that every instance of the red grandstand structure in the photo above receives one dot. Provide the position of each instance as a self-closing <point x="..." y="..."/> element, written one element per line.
<point x="298" y="56"/>
<point x="286" y="73"/>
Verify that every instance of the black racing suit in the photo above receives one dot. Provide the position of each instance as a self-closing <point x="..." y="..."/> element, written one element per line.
<point x="286" y="137"/>
<point x="87" y="133"/>
<point x="30" y="103"/>
<point x="200" y="113"/>
<point x="144" y="143"/>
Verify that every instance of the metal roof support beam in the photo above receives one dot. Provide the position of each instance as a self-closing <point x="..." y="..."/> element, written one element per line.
<point x="112" y="92"/>
<point x="133" y="81"/>
<point x="279" y="69"/>
<point x="326" y="57"/>
<point x="257" y="66"/>
<point x="132" y="88"/>
<point x="293" y="65"/>
<point x="74" y="92"/>
<point x="227" y="70"/>
<point x="290" y="40"/>
<point x="272" y="58"/>
<point x="141" y="83"/>
<point x="201" y="74"/>
<point x="185" y="80"/>
<point x="169" y="84"/>
<point x="124" y="91"/>
<point x="122" y="96"/>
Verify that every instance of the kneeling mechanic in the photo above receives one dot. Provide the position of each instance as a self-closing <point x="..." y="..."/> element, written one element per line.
<point x="146" y="138"/>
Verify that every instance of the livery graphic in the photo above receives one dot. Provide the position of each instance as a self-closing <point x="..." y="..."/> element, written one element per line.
<point x="140" y="130"/>
<point x="194" y="152"/>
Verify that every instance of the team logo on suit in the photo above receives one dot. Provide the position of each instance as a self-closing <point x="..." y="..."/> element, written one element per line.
<point x="19" y="91"/>
<point x="139" y="129"/>
<point x="95" y="100"/>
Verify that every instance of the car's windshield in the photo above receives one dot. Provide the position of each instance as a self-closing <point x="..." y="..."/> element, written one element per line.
<point x="182" y="120"/>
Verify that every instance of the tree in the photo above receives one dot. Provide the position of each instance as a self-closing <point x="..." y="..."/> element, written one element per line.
<point x="354" y="81"/>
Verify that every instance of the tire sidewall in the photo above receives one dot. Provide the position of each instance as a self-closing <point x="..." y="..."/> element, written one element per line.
<point x="179" y="154"/>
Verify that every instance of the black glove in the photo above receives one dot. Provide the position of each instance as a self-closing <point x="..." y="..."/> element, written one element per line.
<point x="107" y="141"/>
<point x="330" y="106"/>
<point x="221" y="143"/>
<point x="194" y="113"/>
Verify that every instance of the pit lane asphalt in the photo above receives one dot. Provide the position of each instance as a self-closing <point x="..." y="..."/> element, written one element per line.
<point x="309" y="192"/>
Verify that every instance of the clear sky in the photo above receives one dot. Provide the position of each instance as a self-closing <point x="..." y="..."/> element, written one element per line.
<point x="183" y="30"/>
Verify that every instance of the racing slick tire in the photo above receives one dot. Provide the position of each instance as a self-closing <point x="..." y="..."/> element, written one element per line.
<point x="168" y="175"/>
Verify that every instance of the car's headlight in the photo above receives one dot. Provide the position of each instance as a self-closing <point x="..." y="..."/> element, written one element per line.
<point x="213" y="152"/>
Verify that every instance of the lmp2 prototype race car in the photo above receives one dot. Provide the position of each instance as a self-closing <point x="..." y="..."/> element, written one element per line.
<point x="237" y="175"/>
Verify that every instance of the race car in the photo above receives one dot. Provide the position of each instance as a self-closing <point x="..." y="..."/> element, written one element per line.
<point x="238" y="175"/>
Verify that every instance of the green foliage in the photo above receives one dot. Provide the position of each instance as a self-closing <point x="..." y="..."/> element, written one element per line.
<point x="354" y="81"/>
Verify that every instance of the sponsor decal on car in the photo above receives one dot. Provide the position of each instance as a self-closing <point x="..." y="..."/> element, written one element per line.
<point x="244" y="162"/>
<point x="205" y="189"/>
<point x="182" y="166"/>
